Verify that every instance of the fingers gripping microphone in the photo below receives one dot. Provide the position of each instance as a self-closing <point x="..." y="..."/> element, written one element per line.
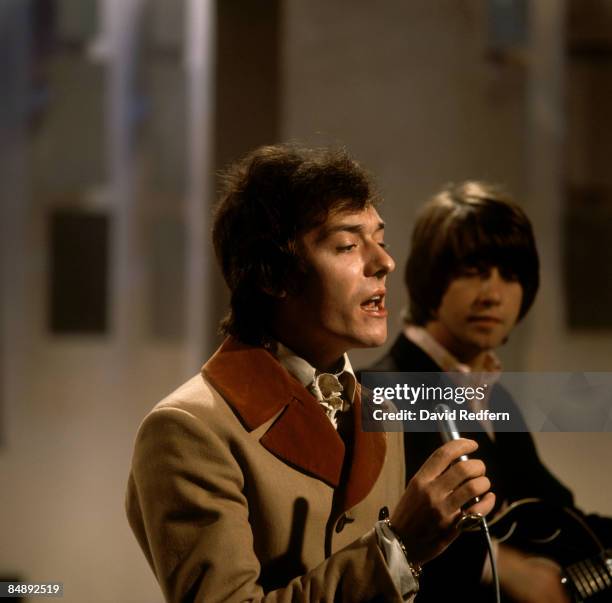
<point x="448" y="432"/>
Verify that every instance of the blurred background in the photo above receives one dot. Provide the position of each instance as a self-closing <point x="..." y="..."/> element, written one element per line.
<point x="115" y="117"/>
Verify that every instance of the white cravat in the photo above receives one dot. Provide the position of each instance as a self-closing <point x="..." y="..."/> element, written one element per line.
<point x="334" y="392"/>
<point x="328" y="390"/>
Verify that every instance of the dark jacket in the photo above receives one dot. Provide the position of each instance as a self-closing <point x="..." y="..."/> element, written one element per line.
<point x="513" y="466"/>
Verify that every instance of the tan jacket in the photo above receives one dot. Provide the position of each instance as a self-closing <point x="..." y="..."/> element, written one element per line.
<point x="238" y="493"/>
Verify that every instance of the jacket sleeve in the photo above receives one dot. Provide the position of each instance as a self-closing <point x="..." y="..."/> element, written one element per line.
<point x="187" y="506"/>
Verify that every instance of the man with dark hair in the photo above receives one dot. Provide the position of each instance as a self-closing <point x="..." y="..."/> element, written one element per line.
<point x="254" y="480"/>
<point x="472" y="274"/>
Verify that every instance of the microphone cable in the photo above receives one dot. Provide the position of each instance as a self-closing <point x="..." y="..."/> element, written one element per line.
<point x="485" y="530"/>
<point x="472" y="520"/>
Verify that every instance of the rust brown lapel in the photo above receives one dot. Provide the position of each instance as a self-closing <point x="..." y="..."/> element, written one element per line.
<point x="257" y="387"/>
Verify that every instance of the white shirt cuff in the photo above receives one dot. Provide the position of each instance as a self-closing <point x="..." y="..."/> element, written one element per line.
<point x="399" y="568"/>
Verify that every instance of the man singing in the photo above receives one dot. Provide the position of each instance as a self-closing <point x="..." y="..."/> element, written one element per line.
<point x="254" y="481"/>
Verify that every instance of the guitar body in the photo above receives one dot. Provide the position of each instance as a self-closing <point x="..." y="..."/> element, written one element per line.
<point x="558" y="533"/>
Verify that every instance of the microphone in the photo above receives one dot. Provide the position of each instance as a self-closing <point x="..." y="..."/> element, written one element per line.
<point x="467" y="521"/>
<point x="447" y="427"/>
<point x="448" y="432"/>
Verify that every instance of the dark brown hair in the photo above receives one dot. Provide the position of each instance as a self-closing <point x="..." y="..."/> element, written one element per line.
<point x="468" y="225"/>
<point x="271" y="197"/>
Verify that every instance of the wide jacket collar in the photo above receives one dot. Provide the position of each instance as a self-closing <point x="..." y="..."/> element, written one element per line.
<point x="258" y="388"/>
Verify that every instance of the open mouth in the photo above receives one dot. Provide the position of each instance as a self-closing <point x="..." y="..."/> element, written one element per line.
<point x="374" y="304"/>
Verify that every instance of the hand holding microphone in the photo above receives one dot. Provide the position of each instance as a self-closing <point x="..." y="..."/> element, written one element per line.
<point x="448" y="433"/>
<point x="427" y="514"/>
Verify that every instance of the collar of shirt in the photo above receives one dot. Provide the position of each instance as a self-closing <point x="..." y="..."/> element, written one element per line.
<point x="445" y="360"/>
<point x="335" y="392"/>
<point x="487" y="373"/>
